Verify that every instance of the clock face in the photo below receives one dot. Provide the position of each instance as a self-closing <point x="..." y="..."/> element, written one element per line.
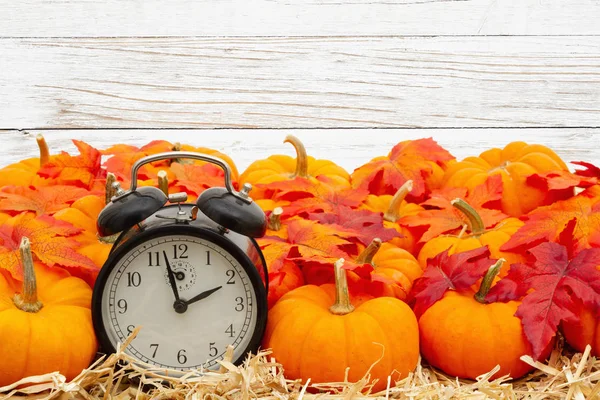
<point x="214" y="303"/>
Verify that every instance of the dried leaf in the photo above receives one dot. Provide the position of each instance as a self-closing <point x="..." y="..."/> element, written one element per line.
<point x="41" y="200"/>
<point x="79" y="170"/>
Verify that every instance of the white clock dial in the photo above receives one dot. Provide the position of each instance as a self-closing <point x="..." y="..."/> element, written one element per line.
<point x="138" y="292"/>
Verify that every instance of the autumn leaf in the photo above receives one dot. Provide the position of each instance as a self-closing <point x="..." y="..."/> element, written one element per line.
<point x="363" y="224"/>
<point x="590" y="169"/>
<point x="560" y="180"/>
<point x="194" y="179"/>
<point x="553" y="283"/>
<point x="41" y="200"/>
<point x="78" y="170"/>
<point x="445" y="217"/>
<point x="50" y="243"/>
<point x="408" y="160"/>
<point x="547" y="222"/>
<point x="456" y="272"/>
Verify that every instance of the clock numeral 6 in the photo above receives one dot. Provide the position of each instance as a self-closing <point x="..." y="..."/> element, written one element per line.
<point x="122" y="304"/>
<point x="239" y="304"/>
<point x="181" y="357"/>
<point x="212" y="350"/>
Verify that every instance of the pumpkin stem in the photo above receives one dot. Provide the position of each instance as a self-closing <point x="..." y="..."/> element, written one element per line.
<point x="475" y="222"/>
<point x="487" y="280"/>
<point x="27" y="300"/>
<point x="109" y="190"/>
<point x="163" y="182"/>
<point x="366" y="256"/>
<point x="301" y="156"/>
<point x="274" y="223"/>
<point x="44" y="150"/>
<point x="393" y="212"/>
<point x="342" y="305"/>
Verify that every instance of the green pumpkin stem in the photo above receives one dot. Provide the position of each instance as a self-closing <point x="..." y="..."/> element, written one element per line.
<point x="342" y="305"/>
<point x="366" y="256"/>
<point x="274" y="222"/>
<point x="488" y="279"/>
<point x="27" y="300"/>
<point x="392" y="214"/>
<point x="163" y="182"/>
<point x="301" y="156"/>
<point x="475" y="222"/>
<point x="44" y="150"/>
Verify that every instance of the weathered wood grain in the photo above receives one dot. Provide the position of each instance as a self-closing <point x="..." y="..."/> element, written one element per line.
<point x="110" y="18"/>
<point x="300" y="82"/>
<point x="349" y="148"/>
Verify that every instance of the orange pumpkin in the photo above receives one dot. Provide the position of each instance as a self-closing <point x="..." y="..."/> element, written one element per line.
<point x="393" y="274"/>
<point x="394" y="208"/>
<point x="279" y="167"/>
<point x="315" y="332"/>
<point x="514" y="163"/>
<point x="478" y="236"/>
<point x="466" y="337"/>
<point x="586" y="332"/>
<point x="24" y="172"/>
<point x="46" y="326"/>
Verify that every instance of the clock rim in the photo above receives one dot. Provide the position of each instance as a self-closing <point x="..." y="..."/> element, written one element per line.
<point x="105" y="344"/>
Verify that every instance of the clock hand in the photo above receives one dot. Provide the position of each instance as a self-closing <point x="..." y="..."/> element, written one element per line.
<point x="171" y="278"/>
<point x="202" y="295"/>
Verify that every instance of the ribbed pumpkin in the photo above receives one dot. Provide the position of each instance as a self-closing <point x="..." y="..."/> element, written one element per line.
<point x="514" y="163"/>
<point x="466" y="337"/>
<point x="47" y="326"/>
<point x="474" y="237"/>
<point x="24" y="172"/>
<point x="393" y="208"/>
<point x="280" y="167"/>
<point x="316" y="333"/>
<point x="579" y="335"/>
<point x="393" y="274"/>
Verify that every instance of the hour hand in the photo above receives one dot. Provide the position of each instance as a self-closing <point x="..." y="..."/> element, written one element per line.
<point x="203" y="295"/>
<point x="171" y="277"/>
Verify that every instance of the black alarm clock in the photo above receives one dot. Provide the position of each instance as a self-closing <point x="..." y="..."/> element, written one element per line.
<point x="190" y="275"/>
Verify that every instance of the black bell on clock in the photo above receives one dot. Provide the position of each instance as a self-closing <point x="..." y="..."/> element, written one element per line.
<point x="191" y="275"/>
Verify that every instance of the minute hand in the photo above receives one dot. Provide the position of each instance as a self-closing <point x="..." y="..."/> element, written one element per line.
<point x="171" y="277"/>
<point x="202" y="295"/>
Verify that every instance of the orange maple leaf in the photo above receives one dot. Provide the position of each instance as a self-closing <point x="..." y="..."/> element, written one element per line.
<point x="194" y="178"/>
<point x="78" y="170"/>
<point x="50" y="243"/>
<point x="414" y="160"/>
<point x="41" y="200"/>
<point x="548" y="222"/>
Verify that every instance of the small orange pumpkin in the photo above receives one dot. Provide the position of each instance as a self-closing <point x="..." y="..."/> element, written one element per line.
<point x="279" y="167"/>
<point x="24" y="172"/>
<point x="394" y="208"/>
<point x="478" y="236"/>
<point x="586" y="332"/>
<point x="514" y="163"/>
<point x="316" y="333"/>
<point x="466" y="337"/>
<point x="47" y="325"/>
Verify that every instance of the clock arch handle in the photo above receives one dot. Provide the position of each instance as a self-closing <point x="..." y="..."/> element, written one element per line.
<point x="243" y="195"/>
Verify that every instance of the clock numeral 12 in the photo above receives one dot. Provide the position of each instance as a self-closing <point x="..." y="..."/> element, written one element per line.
<point x="179" y="251"/>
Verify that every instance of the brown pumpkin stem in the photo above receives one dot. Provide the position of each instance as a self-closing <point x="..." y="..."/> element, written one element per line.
<point x="393" y="212"/>
<point x="44" y="150"/>
<point x="27" y="300"/>
<point x="274" y="223"/>
<point x="475" y="222"/>
<point x="342" y="305"/>
<point x="366" y="256"/>
<point x="301" y="156"/>
<point x="163" y="182"/>
<point x="109" y="190"/>
<point x="488" y="279"/>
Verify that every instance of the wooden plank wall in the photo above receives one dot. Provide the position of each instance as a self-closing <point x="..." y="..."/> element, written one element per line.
<point x="351" y="77"/>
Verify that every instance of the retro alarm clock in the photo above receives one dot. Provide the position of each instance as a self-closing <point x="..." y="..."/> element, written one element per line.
<point x="190" y="275"/>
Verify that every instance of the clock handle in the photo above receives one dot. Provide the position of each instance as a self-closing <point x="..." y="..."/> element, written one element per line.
<point x="243" y="195"/>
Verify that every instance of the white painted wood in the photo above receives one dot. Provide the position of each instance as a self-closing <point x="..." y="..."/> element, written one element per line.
<point x="109" y="18"/>
<point x="348" y="148"/>
<point x="300" y="82"/>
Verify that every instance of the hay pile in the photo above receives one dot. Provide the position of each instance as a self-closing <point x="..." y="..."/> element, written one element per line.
<point x="565" y="376"/>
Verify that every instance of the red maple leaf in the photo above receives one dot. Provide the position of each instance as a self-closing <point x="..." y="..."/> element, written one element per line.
<point x="446" y="217"/>
<point x="50" y="243"/>
<point x="408" y="160"/>
<point x="590" y="169"/>
<point x="41" y="199"/>
<point x="364" y="224"/>
<point x="553" y="283"/>
<point x="194" y="179"/>
<point x="78" y="170"/>
<point x="560" y="180"/>
<point x="546" y="223"/>
<point x="456" y="272"/>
